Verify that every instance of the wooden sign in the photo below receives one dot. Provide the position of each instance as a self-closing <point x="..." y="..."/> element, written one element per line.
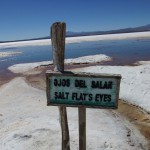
<point x="83" y="89"/>
<point x="77" y="89"/>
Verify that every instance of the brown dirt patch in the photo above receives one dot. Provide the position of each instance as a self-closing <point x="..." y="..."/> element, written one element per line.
<point x="136" y="116"/>
<point x="6" y="76"/>
<point x="37" y="81"/>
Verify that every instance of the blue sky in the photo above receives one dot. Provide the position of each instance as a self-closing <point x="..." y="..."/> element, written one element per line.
<point x="23" y="19"/>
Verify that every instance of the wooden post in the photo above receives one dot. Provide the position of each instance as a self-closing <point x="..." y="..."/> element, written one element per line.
<point x="58" y="32"/>
<point x="82" y="128"/>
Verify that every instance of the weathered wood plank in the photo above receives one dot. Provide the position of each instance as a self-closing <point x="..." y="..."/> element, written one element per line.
<point x="82" y="128"/>
<point x="58" y="31"/>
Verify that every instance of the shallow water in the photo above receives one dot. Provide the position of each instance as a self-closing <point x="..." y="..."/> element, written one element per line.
<point x="123" y="52"/>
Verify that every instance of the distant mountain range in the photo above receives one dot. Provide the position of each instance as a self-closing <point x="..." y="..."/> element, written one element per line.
<point x="126" y="30"/>
<point x="75" y="34"/>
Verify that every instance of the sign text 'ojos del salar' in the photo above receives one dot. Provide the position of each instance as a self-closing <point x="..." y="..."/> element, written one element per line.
<point x="83" y="89"/>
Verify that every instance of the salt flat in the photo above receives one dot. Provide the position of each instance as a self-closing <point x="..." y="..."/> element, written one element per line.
<point x="137" y="35"/>
<point x="135" y="83"/>
<point x="10" y="53"/>
<point x="27" y="123"/>
<point x="26" y="67"/>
